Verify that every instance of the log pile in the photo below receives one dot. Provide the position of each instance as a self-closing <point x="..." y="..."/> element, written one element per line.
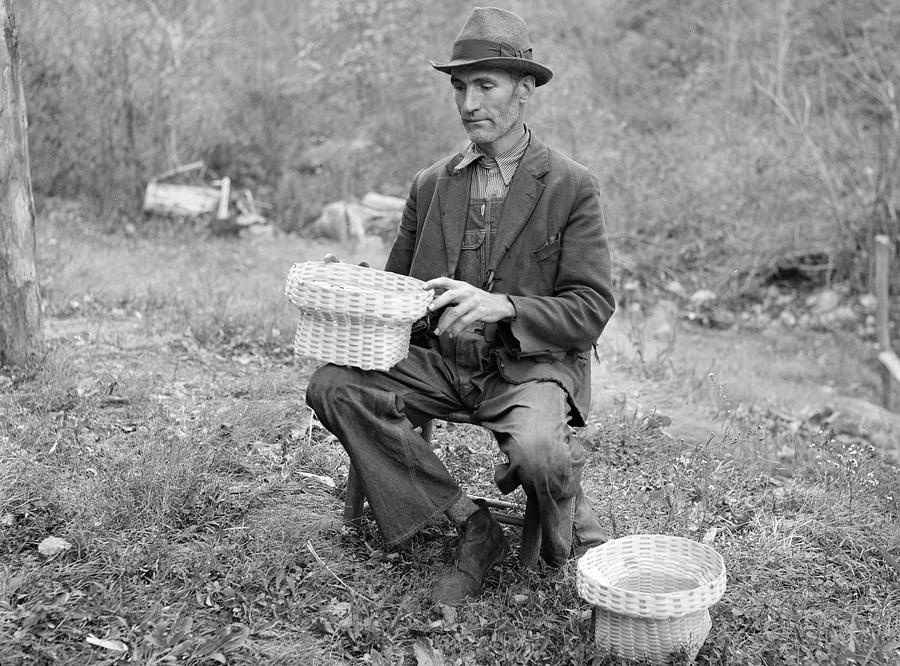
<point x="350" y="222"/>
<point x="228" y="211"/>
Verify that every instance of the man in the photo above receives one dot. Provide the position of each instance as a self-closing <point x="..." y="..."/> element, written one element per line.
<point x="511" y="237"/>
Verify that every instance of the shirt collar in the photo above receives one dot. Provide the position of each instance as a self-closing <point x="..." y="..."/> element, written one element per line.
<point x="507" y="162"/>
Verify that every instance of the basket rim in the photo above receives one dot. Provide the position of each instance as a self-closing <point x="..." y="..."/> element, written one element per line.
<point x="317" y="272"/>
<point x="652" y="605"/>
<point x="336" y="290"/>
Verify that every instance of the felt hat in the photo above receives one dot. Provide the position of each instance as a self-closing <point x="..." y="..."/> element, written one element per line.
<point x="495" y="38"/>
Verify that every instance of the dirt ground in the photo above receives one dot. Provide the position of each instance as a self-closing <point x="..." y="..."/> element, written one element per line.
<point x="693" y="379"/>
<point x="700" y="378"/>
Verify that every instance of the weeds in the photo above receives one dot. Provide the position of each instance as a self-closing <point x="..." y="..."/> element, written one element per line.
<point x="650" y="342"/>
<point x="193" y="488"/>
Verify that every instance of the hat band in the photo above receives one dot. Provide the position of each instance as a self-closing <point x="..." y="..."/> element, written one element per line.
<point x="479" y="49"/>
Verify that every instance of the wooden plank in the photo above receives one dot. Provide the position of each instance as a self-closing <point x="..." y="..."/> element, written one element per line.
<point x="891" y="362"/>
<point x="882" y="314"/>
<point x="184" y="168"/>
<point x="181" y="200"/>
<point x="882" y="279"/>
<point x="224" y="198"/>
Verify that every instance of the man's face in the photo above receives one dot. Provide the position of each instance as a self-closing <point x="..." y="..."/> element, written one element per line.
<point x="490" y="104"/>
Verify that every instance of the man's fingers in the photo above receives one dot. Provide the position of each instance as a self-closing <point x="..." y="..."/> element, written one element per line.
<point x="441" y="300"/>
<point x="444" y="284"/>
<point x="449" y="322"/>
<point x="454" y="320"/>
<point x="330" y="258"/>
<point x="448" y="291"/>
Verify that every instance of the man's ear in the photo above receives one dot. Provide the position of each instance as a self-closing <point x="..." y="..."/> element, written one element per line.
<point x="526" y="88"/>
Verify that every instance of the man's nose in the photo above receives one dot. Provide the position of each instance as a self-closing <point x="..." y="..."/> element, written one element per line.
<point x="471" y="101"/>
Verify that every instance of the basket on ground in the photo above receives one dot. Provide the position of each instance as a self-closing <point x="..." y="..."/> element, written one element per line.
<point x="651" y="595"/>
<point x="354" y="315"/>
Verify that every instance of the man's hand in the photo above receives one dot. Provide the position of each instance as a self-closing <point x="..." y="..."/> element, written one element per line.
<point x="466" y="305"/>
<point x="332" y="259"/>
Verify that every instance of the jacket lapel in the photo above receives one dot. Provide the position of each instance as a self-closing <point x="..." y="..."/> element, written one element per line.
<point x="524" y="192"/>
<point x="453" y="194"/>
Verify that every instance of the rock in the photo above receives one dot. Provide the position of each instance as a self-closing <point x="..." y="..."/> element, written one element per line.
<point x="714" y="318"/>
<point x="339" y="221"/>
<point x="631" y="285"/>
<point x="675" y="287"/>
<point x="783" y="299"/>
<point x="861" y="418"/>
<point x="53" y="546"/>
<point x="838" y="318"/>
<point x="260" y="230"/>
<point x="787" y="318"/>
<point x="823" y="301"/>
<point x="703" y="297"/>
<point x="868" y="303"/>
<point x="724" y="318"/>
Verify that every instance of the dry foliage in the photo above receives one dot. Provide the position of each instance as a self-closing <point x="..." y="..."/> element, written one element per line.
<point x="731" y="138"/>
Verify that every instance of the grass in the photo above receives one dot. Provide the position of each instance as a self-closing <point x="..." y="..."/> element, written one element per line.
<point x="165" y="437"/>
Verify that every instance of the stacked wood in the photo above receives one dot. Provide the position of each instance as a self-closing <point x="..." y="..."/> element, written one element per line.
<point x="181" y="200"/>
<point x="213" y="197"/>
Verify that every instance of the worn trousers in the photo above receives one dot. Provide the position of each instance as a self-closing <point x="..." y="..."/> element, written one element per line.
<point x="374" y="415"/>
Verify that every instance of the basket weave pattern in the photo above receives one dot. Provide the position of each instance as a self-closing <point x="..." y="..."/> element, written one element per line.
<point x="650" y="594"/>
<point x="353" y="315"/>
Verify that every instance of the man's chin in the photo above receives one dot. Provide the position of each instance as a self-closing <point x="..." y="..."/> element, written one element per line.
<point x="478" y="136"/>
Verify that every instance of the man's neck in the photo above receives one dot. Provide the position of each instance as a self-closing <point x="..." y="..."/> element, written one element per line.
<point x="504" y="143"/>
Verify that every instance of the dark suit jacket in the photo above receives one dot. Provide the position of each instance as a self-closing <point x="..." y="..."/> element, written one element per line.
<point x="551" y="256"/>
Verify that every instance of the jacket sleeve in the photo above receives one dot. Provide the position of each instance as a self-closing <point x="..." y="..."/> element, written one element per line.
<point x="581" y="303"/>
<point x="401" y="255"/>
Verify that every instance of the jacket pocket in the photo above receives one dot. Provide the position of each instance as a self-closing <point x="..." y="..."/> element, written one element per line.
<point x="547" y="251"/>
<point x="546" y="258"/>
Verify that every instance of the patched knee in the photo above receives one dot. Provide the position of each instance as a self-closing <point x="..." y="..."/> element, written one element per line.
<point x="546" y="464"/>
<point x="551" y="463"/>
<point x="324" y="385"/>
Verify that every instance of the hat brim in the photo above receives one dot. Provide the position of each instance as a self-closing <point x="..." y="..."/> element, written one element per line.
<point x="540" y="73"/>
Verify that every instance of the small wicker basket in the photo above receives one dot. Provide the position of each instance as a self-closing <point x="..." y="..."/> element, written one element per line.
<point x="354" y="315"/>
<point x="650" y="594"/>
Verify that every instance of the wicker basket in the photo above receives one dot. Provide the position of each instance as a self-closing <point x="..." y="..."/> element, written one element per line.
<point x="352" y="315"/>
<point x="650" y="594"/>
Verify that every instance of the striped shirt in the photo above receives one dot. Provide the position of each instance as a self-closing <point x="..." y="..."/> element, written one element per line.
<point x="492" y="176"/>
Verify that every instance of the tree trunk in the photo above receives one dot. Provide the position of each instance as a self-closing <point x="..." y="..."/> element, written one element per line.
<point x="20" y="301"/>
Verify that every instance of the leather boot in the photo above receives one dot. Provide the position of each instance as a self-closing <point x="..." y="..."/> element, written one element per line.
<point x="481" y="545"/>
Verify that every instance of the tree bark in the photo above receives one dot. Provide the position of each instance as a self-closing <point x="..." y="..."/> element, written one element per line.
<point x="20" y="302"/>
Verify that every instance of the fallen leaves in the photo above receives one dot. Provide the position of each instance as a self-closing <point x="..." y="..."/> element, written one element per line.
<point x="426" y="653"/>
<point x="107" y="643"/>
